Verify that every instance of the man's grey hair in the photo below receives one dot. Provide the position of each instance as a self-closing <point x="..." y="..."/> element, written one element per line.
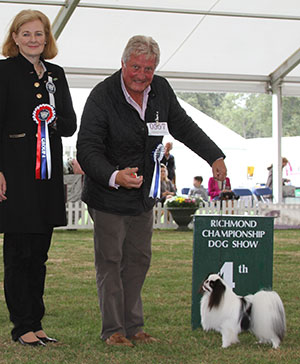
<point x="141" y="44"/>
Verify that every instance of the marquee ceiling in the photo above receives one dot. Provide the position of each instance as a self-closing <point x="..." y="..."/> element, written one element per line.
<point x="206" y="45"/>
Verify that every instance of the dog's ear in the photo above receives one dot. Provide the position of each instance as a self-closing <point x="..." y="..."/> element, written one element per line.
<point x="218" y="290"/>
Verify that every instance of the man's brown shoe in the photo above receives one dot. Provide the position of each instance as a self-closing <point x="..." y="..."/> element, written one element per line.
<point x="143" y="338"/>
<point x="118" y="339"/>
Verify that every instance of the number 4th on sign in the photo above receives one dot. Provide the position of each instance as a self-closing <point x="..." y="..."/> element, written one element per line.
<point x="226" y="272"/>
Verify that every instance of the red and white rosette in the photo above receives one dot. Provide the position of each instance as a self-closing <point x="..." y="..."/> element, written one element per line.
<point x="43" y="115"/>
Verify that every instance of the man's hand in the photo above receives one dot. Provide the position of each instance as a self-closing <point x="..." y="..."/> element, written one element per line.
<point x="2" y="187"/>
<point x="128" y="178"/>
<point x="219" y="170"/>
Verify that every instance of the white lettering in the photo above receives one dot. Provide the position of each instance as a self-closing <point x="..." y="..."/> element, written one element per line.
<point x="233" y="223"/>
<point x="43" y="147"/>
<point x="211" y="233"/>
<point x="217" y="244"/>
<point x="244" y="244"/>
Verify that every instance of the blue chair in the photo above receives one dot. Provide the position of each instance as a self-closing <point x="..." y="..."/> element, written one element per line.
<point x="245" y="195"/>
<point x="185" y="191"/>
<point x="242" y="192"/>
<point x="263" y="194"/>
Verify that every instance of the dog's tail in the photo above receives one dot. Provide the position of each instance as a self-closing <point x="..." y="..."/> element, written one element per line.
<point x="267" y="318"/>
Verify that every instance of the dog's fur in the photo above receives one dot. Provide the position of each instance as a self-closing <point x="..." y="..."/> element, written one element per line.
<point x="223" y="311"/>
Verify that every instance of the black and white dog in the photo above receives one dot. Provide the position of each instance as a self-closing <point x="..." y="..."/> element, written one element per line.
<point x="223" y="311"/>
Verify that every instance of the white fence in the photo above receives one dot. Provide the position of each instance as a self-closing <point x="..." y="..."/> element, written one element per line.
<point x="163" y="218"/>
<point x="77" y="216"/>
<point x="285" y="215"/>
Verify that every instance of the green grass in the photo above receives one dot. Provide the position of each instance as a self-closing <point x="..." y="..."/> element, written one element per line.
<point x="73" y="315"/>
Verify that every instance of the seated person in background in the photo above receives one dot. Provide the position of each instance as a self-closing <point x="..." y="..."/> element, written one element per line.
<point x="270" y="175"/>
<point x="167" y="187"/>
<point x="215" y="188"/>
<point x="198" y="190"/>
<point x="287" y="189"/>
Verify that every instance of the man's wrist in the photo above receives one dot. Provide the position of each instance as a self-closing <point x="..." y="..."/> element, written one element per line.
<point x="112" y="181"/>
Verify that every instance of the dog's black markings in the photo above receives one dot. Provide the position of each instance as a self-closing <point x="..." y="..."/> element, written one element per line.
<point x="245" y="314"/>
<point x="217" y="293"/>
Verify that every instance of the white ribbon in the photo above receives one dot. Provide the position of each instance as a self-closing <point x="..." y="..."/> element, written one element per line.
<point x="48" y="152"/>
<point x="155" y="185"/>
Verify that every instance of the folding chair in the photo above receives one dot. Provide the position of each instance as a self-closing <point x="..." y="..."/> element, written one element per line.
<point x="244" y="193"/>
<point x="185" y="191"/>
<point x="263" y="194"/>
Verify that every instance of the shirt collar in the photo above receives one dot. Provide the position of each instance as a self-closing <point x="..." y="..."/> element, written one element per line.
<point x="126" y="94"/>
<point x="130" y="100"/>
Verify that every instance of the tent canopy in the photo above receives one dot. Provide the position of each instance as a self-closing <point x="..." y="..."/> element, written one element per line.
<point x="208" y="45"/>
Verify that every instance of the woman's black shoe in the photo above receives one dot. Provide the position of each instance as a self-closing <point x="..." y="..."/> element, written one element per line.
<point x="47" y="339"/>
<point x="33" y="343"/>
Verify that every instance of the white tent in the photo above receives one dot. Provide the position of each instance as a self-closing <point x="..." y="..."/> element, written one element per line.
<point x="207" y="45"/>
<point x="188" y="164"/>
<point x="240" y="154"/>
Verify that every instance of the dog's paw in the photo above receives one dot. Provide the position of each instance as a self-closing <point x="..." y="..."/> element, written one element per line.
<point x="226" y="343"/>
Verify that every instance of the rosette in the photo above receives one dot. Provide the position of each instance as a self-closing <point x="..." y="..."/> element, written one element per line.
<point x="43" y="115"/>
<point x="158" y="154"/>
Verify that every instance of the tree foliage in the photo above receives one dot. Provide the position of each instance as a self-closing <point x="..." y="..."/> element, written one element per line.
<point x="207" y="103"/>
<point x="249" y="115"/>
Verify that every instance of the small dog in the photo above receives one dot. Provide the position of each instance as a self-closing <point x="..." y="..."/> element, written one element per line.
<point x="223" y="311"/>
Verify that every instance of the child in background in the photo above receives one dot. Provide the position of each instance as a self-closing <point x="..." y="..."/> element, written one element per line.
<point x="198" y="190"/>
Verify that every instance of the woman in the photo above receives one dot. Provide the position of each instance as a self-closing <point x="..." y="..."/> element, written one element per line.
<point x="35" y="111"/>
<point x="166" y="186"/>
<point x="215" y="188"/>
<point x="269" y="182"/>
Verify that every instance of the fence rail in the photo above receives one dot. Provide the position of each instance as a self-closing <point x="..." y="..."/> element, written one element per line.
<point x="285" y="215"/>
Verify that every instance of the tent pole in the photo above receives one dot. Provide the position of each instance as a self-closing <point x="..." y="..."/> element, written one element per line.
<point x="277" y="134"/>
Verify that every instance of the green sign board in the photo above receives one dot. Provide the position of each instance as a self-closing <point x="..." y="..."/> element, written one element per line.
<point x="240" y="248"/>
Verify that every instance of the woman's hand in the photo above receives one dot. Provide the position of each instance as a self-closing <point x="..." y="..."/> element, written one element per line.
<point x="2" y="187"/>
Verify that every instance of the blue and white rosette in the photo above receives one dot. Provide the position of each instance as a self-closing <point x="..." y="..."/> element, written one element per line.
<point x="158" y="154"/>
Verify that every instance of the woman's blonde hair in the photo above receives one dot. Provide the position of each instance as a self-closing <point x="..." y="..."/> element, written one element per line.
<point x="10" y="49"/>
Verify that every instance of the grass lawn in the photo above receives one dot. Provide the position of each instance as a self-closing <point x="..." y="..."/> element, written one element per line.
<point x="73" y="317"/>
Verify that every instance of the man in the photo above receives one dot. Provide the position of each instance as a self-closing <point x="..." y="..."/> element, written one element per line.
<point x="169" y="161"/>
<point x="122" y="127"/>
<point x="198" y="190"/>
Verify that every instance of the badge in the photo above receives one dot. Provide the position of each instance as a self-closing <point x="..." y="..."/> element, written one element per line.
<point x="50" y="87"/>
<point x="43" y="115"/>
<point x="158" y="129"/>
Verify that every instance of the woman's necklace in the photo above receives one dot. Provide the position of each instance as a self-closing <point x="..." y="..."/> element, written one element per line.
<point x="39" y="69"/>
